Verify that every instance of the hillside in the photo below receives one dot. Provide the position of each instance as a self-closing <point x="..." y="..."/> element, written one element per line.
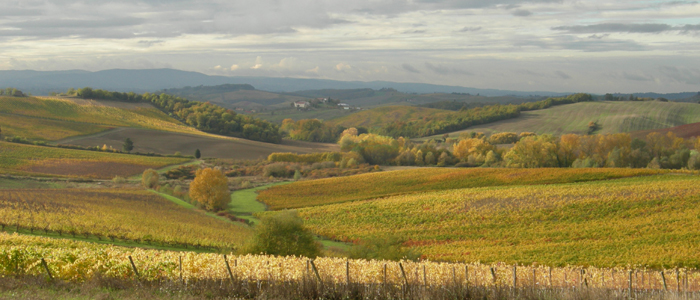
<point x="382" y="115"/>
<point x="50" y="119"/>
<point x="646" y="221"/>
<point x="686" y="131"/>
<point x="611" y="117"/>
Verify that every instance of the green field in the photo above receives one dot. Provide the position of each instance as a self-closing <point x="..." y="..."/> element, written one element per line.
<point x="53" y="119"/>
<point x="380" y="116"/>
<point x="383" y="184"/>
<point x="612" y="117"/>
<point x="647" y="221"/>
<point x="39" y="160"/>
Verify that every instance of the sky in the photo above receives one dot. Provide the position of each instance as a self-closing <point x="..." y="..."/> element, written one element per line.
<point x="541" y="45"/>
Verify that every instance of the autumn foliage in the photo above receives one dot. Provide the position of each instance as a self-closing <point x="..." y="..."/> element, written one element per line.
<point x="210" y="189"/>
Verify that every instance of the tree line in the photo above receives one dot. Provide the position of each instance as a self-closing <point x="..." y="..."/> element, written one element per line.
<point x="204" y="116"/>
<point x="656" y="150"/>
<point x="12" y="92"/>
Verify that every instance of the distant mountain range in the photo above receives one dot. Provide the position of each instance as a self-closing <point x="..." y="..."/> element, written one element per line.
<point x="150" y="80"/>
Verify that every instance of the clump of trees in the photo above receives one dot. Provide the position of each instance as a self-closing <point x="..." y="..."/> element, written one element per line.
<point x="204" y="116"/>
<point x="311" y="130"/>
<point x="283" y="233"/>
<point x="12" y="92"/>
<point x="210" y="189"/>
<point x="620" y="150"/>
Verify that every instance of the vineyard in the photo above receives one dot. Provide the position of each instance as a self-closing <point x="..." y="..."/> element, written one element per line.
<point x="29" y="159"/>
<point x="110" y="214"/>
<point x="78" y="261"/>
<point x="54" y="119"/>
<point x="649" y="221"/>
<point x="376" y="185"/>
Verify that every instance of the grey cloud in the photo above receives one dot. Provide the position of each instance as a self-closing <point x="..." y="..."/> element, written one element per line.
<point x="442" y="70"/>
<point x="598" y="36"/>
<point x="681" y="75"/>
<point x="585" y="45"/>
<point x="562" y="75"/>
<point x="149" y="43"/>
<point x="470" y="29"/>
<point x="522" y="13"/>
<point x="410" y="68"/>
<point x="635" y="77"/>
<point x="628" y="28"/>
<point x="414" y="31"/>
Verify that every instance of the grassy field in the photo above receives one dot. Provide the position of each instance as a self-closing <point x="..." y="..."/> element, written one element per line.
<point x="612" y="117"/>
<point x="109" y="214"/>
<point x="39" y="160"/>
<point x="649" y="221"/>
<point x="54" y="118"/>
<point x="376" y="185"/>
<point x="381" y="115"/>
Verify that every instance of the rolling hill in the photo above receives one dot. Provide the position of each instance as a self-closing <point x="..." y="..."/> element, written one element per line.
<point x="612" y="117"/>
<point x="92" y="123"/>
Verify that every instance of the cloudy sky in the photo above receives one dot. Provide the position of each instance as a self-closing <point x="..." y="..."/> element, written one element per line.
<point x="563" y="46"/>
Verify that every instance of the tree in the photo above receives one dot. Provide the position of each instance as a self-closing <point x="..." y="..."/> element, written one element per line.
<point x="128" y="145"/>
<point x="150" y="178"/>
<point x="210" y="188"/>
<point x="197" y="154"/>
<point x="283" y="234"/>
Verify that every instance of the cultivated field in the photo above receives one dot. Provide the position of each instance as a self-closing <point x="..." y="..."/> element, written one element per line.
<point x="146" y="140"/>
<point x="612" y="117"/>
<point x="648" y="221"/>
<point x="377" y="185"/>
<point x="57" y="118"/>
<point x="686" y="131"/>
<point x="79" y="261"/>
<point x="115" y="214"/>
<point x="383" y="115"/>
<point x="39" y="160"/>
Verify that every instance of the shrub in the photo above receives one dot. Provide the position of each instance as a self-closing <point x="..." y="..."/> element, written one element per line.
<point x="150" y="178"/>
<point x="283" y="234"/>
<point x="118" y="179"/>
<point x="276" y="170"/>
<point x="297" y="175"/>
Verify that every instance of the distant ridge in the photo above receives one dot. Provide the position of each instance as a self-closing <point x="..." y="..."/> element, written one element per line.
<point x="151" y="80"/>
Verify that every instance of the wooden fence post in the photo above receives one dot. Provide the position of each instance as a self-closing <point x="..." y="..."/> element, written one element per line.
<point x="318" y="276"/>
<point x="347" y="271"/>
<point x="228" y="268"/>
<point x="384" y="274"/>
<point x="663" y="279"/>
<point x="629" y="280"/>
<point x="534" y="277"/>
<point x="133" y="266"/>
<point x="425" y="277"/>
<point x="403" y="273"/>
<point x="466" y="274"/>
<point x="515" y="276"/>
<point x="678" y="281"/>
<point x="454" y="276"/>
<point x="550" y="277"/>
<point x="493" y="275"/>
<point x="181" y="269"/>
<point x="46" y="267"/>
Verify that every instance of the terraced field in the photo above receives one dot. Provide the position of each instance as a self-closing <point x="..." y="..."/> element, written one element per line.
<point x="612" y="117"/>
<point x="648" y="221"/>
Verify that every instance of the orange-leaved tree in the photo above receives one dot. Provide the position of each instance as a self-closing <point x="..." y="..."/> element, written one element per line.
<point x="210" y="188"/>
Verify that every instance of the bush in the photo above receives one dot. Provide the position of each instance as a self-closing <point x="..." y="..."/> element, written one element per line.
<point x="283" y="234"/>
<point x="118" y="179"/>
<point x="150" y="178"/>
<point x="277" y="170"/>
